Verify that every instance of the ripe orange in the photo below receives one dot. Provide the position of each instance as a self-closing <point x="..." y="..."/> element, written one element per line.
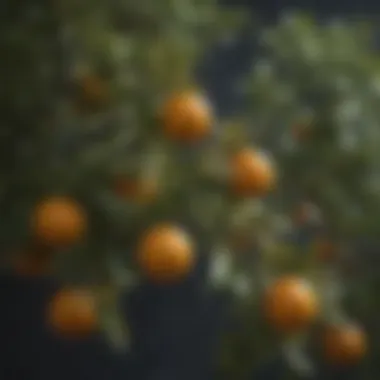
<point x="58" y="222"/>
<point x="290" y="304"/>
<point x="252" y="173"/>
<point x="73" y="313"/>
<point x="344" y="345"/>
<point x="187" y="117"/>
<point x="166" y="254"/>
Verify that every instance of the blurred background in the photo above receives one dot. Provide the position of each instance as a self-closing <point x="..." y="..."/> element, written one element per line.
<point x="299" y="81"/>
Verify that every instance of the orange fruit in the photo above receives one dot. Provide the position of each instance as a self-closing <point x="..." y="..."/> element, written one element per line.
<point x="30" y="264"/>
<point x="142" y="192"/>
<point x="344" y="345"/>
<point x="187" y="117"/>
<point x="326" y="250"/>
<point x="166" y="254"/>
<point x="290" y="304"/>
<point x="73" y="313"/>
<point x="93" y="93"/>
<point x="58" y="222"/>
<point x="252" y="173"/>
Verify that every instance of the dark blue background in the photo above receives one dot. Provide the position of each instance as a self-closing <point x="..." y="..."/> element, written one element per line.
<point x="176" y="330"/>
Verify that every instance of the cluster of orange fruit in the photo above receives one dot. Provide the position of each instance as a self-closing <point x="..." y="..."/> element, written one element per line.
<point x="187" y="117"/>
<point x="166" y="253"/>
<point x="291" y="305"/>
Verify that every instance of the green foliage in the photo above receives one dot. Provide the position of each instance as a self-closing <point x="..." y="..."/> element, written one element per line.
<point x="312" y="97"/>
